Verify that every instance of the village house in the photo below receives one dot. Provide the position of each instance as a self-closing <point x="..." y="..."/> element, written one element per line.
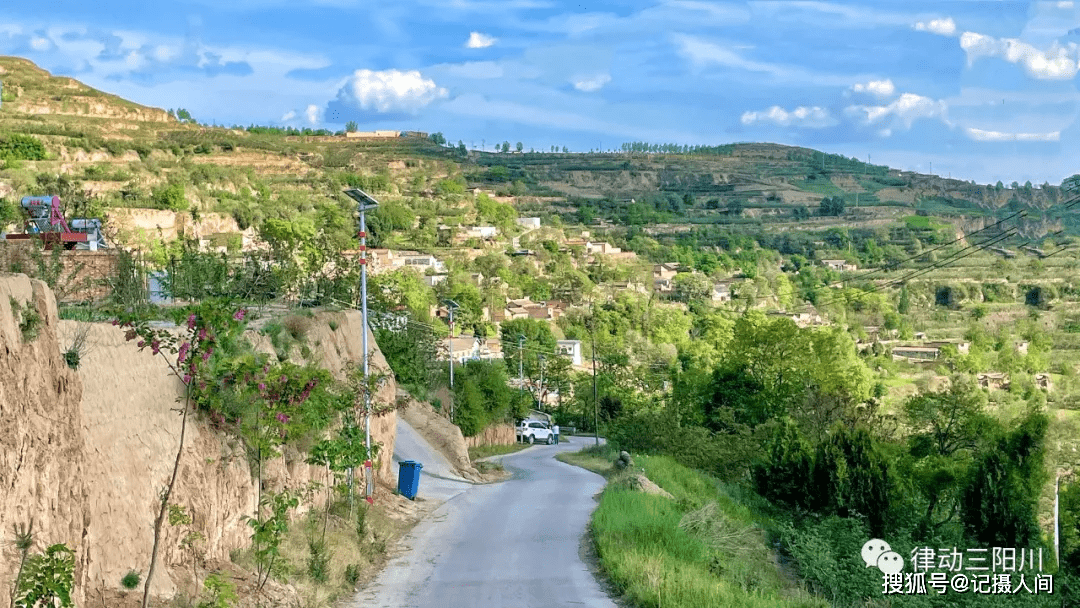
<point x="994" y="380"/>
<point x="663" y="277"/>
<point x="601" y="248"/>
<point x="491" y="349"/>
<point x="626" y="286"/>
<point x="802" y="319"/>
<point x="915" y="353"/>
<point x="465" y="348"/>
<point x="570" y="348"/>
<point x="434" y="279"/>
<point x="524" y="308"/>
<point x="721" y="292"/>
<point x="1022" y="348"/>
<point x="839" y="265"/>
<point x="386" y="260"/>
<point x="529" y="223"/>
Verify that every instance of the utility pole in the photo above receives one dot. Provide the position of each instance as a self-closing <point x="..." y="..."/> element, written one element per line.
<point x="521" y="361"/>
<point x="540" y="393"/>
<point x="451" y="306"/>
<point x="1057" y="523"/>
<point x="364" y="203"/>
<point x="596" y="401"/>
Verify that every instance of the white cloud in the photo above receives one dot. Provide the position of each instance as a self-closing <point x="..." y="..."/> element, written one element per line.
<point x="981" y="135"/>
<point x="885" y="132"/>
<point x="312" y="114"/>
<point x="480" y="41"/>
<point x="1057" y="63"/>
<point x="702" y="52"/>
<point x="908" y="108"/>
<point x="40" y="44"/>
<point x="591" y="84"/>
<point x="881" y="88"/>
<point x="389" y="91"/>
<point x="942" y="27"/>
<point x="291" y="114"/>
<point x="1067" y="4"/>
<point x="802" y="116"/>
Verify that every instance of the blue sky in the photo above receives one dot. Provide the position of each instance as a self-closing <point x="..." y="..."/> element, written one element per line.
<point x="976" y="90"/>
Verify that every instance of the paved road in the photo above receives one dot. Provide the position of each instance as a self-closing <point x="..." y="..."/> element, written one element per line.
<point x="411" y="445"/>
<point x="514" y="544"/>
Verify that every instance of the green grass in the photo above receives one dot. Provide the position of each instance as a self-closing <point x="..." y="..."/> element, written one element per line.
<point x="484" y="451"/>
<point x="705" y="548"/>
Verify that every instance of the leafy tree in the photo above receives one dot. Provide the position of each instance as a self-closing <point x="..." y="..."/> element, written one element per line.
<point x="21" y="147"/>
<point x="351" y="127"/>
<point x="784" y="474"/>
<point x="506" y="147"/>
<point x="735" y="207"/>
<point x="1038" y="297"/>
<point x="851" y="478"/>
<point x="947" y="296"/>
<point x="1000" y="501"/>
<point x="170" y="198"/>
<point x="736" y="399"/>
<point x="538" y="338"/>
<point x="903" y="306"/>
<point x="438" y="138"/>
<point x="520" y="146"/>
<point x="392" y="291"/>
<point x="800" y="213"/>
<point x="482" y="396"/>
<point x="833" y="205"/>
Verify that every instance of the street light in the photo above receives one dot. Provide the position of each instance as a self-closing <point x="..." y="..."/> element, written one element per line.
<point x="365" y="203"/>
<point x="596" y="402"/>
<point x="451" y="306"/>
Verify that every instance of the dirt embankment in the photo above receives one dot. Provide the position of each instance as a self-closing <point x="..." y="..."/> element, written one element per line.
<point x="440" y="433"/>
<point x="84" y="454"/>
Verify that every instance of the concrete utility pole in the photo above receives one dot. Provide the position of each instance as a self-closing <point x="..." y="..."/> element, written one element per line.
<point x="540" y="393"/>
<point x="451" y="306"/>
<point x="596" y="401"/>
<point x="365" y="203"/>
<point x="521" y="361"/>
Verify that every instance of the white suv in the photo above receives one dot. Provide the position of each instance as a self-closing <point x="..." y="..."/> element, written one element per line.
<point x="533" y="431"/>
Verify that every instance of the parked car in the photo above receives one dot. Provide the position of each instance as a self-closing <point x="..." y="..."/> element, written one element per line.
<point x="533" y="431"/>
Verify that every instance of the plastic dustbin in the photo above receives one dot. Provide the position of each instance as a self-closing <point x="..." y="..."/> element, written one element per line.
<point x="409" y="478"/>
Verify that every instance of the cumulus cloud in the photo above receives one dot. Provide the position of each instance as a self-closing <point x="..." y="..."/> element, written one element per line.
<point x="389" y="91"/>
<point x="1057" y="63"/>
<point x="802" y="116"/>
<point x="942" y="27"/>
<point x="591" y="84"/>
<point x="480" y="41"/>
<point x="312" y="114"/>
<point x="290" y="115"/>
<point x="908" y="108"/>
<point x="981" y="135"/>
<point x="40" y="44"/>
<point x="1067" y="4"/>
<point x="880" y="88"/>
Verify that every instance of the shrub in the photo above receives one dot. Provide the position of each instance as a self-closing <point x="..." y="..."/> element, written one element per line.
<point x="21" y="147"/>
<point x="130" y="580"/>
<point x="352" y="574"/>
<point x="170" y="198"/>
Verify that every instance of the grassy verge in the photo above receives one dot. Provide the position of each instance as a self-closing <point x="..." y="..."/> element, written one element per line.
<point x="495" y="450"/>
<point x="707" y="547"/>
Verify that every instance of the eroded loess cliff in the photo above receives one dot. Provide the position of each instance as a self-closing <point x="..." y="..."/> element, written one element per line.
<point x="85" y="454"/>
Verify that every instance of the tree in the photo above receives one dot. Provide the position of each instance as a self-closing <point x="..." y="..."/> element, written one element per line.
<point x="520" y="146"/>
<point x="538" y="339"/>
<point x="800" y="213"/>
<point x="1000" y="501"/>
<point x="692" y="287"/>
<point x="832" y="205"/>
<point x="438" y="138"/>
<point x="506" y="147"/>
<point x="351" y="127"/>
<point x="784" y="475"/>
<point x="903" y="306"/>
<point x="851" y="477"/>
<point x="735" y="207"/>
<point x="1038" y="297"/>
<point x="461" y="148"/>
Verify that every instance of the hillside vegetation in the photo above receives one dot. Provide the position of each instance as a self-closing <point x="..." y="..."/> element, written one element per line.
<point x="746" y="308"/>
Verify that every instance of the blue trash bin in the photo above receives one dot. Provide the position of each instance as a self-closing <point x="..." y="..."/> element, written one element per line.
<point x="409" y="478"/>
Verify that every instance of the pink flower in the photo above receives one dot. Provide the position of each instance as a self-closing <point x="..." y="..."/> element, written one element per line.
<point x="202" y="334"/>
<point x="262" y="387"/>
<point x="239" y="316"/>
<point x="116" y="322"/>
<point x="130" y="335"/>
<point x="142" y="343"/>
<point x="206" y="355"/>
<point x="184" y="348"/>
<point x="156" y="346"/>
<point x="191" y="322"/>
<point x="187" y="379"/>
<point x="282" y="418"/>
<point x="283" y="379"/>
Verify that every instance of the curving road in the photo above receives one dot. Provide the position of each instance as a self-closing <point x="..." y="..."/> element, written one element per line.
<point x="511" y="544"/>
